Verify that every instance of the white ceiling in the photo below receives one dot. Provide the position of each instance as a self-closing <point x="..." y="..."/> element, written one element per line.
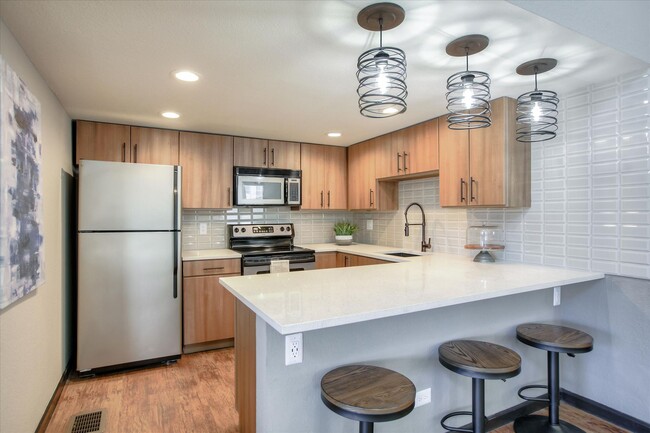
<point x="281" y="69"/>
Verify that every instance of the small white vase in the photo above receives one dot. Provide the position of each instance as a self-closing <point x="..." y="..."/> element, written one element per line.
<point x="343" y="239"/>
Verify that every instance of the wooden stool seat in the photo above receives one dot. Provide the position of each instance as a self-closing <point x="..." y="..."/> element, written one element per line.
<point x="555" y="338"/>
<point x="368" y="394"/>
<point x="479" y="359"/>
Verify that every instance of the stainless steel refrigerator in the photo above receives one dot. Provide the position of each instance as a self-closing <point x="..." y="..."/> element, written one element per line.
<point x="129" y="279"/>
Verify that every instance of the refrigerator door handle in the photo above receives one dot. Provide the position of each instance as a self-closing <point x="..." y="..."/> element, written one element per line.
<point x="177" y="257"/>
<point x="177" y="234"/>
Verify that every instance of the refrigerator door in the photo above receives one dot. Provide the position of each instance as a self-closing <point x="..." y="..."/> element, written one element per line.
<point x="129" y="298"/>
<point x="116" y="196"/>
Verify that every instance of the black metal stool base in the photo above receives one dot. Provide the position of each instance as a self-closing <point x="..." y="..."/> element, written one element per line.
<point x="366" y="427"/>
<point x="540" y="424"/>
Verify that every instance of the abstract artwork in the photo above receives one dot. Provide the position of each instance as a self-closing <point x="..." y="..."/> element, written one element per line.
<point x="21" y="208"/>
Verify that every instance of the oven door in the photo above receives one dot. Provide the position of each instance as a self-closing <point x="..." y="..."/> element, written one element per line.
<point x="259" y="190"/>
<point x="266" y="269"/>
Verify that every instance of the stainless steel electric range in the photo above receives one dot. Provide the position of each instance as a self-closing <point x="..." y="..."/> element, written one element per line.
<point x="259" y="245"/>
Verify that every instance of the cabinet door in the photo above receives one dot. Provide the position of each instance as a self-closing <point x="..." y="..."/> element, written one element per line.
<point x="487" y="162"/>
<point x="325" y="260"/>
<point x="336" y="179"/>
<point x="385" y="160"/>
<point x="346" y="260"/>
<point x="454" y="166"/>
<point x="154" y="146"/>
<point x="361" y="176"/>
<point x="422" y="147"/>
<point x="313" y="172"/>
<point x="363" y="261"/>
<point x="208" y="310"/>
<point x="251" y="152"/>
<point x="284" y="154"/>
<point x="207" y="170"/>
<point x="103" y="142"/>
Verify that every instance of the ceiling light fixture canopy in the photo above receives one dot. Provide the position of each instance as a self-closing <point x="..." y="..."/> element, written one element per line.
<point x="537" y="110"/>
<point x="468" y="92"/>
<point x="381" y="71"/>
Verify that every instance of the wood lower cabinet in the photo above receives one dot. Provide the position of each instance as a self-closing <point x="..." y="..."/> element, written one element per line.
<point x="207" y="162"/>
<point x="486" y="166"/>
<point x="255" y="152"/>
<point x="324" y="177"/>
<point x="102" y="141"/>
<point x="124" y="143"/>
<point x="345" y="260"/>
<point x="326" y="260"/>
<point x="208" y="308"/>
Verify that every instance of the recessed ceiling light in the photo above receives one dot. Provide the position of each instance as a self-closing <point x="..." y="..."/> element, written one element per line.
<point x="171" y="115"/>
<point x="334" y="134"/>
<point x="186" y="76"/>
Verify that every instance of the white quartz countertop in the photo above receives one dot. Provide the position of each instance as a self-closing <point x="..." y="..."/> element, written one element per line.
<point x="209" y="254"/>
<point x="305" y="301"/>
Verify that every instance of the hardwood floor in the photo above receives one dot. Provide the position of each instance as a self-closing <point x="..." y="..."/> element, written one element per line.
<point x="197" y="394"/>
<point x="587" y="422"/>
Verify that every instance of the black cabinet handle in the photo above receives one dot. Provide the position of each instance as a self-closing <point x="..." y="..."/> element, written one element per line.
<point x="135" y="152"/>
<point x="123" y="152"/>
<point x="228" y="189"/>
<point x="273" y="157"/>
<point x="264" y="157"/>
<point x="405" y="168"/>
<point x="462" y="197"/>
<point x="328" y="199"/>
<point x="471" y="189"/>
<point x="399" y="168"/>
<point x="321" y="199"/>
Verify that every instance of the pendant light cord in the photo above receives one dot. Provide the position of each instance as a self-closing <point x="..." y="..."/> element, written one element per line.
<point x="467" y="59"/>
<point x="536" y="77"/>
<point x="381" y="28"/>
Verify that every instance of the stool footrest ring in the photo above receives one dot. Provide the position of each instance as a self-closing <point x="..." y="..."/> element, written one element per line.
<point x="457" y="429"/>
<point x="538" y="398"/>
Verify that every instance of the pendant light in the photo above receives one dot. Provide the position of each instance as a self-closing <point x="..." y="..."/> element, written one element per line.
<point x="537" y="110"/>
<point x="381" y="71"/>
<point x="468" y="92"/>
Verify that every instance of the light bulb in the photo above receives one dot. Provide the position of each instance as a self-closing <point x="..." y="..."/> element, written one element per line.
<point x="382" y="80"/>
<point x="468" y="97"/>
<point x="390" y="110"/>
<point x="536" y="112"/>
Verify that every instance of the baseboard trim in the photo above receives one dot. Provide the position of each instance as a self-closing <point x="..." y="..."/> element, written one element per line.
<point x="607" y="413"/>
<point x="49" y="409"/>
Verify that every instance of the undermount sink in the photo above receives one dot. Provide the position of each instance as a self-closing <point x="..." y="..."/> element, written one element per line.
<point x="402" y="254"/>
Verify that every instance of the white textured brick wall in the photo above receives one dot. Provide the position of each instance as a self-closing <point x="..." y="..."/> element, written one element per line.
<point x="590" y="195"/>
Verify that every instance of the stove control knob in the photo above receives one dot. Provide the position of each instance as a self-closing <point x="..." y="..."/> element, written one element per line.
<point x="236" y="230"/>
<point x="243" y="230"/>
<point x="288" y="228"/>
<point x="281" y="229"/>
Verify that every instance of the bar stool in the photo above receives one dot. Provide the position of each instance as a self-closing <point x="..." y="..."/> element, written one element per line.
<point x="554" y="339"/>
<point x="367" y="394"/>
<point x="479" y="360"/>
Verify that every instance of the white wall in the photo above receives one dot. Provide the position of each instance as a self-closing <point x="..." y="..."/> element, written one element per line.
<point x="33" y="342"/>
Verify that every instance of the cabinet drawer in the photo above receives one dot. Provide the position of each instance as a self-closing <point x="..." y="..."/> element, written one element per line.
<point x="199" y="268"/>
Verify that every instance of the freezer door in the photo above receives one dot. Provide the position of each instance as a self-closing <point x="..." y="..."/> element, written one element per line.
<point x="121" y="196"/>
<point x="129" y="308"/>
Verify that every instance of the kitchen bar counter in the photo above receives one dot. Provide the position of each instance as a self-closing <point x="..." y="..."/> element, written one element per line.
<point x="305" y="301"/>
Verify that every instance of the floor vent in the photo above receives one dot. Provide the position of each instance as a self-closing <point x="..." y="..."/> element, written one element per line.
<point x="89" y="422"/>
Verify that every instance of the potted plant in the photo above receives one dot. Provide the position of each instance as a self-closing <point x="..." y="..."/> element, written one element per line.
<point x="343" y="232"/>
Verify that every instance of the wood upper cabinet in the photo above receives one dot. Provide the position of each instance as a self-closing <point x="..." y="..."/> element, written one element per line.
<point x="102" y="141"/>
<point x="208" y="308"/>
<point x="486" y="166"/>
<point x="207" y="162"/>
<point x="414" y="150"/>
<point x="255" y="152"/>
<point x="364" y="191"/>
<point x="154" y="146"/>
<point x="124" y="143"/>
<point x="324" y="176"/>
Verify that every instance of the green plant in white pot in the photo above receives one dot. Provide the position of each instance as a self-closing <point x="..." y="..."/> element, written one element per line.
<point x="343" y="232"/>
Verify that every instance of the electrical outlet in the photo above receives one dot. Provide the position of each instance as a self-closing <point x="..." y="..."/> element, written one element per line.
<point x="369" y="224"/>
<point x="423" y="397"/>
<point x="557" y="296"/>
<point x="293" y="349"/>
<point x="203" y="228"/>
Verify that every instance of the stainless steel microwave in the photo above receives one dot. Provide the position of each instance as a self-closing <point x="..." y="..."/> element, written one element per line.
<point x="266" y="187"/>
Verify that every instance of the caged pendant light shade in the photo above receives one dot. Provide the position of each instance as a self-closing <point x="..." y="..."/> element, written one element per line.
<point x="537" y="110"/>
<point x="468" y="92"/>
<point x="381" y="72"/>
